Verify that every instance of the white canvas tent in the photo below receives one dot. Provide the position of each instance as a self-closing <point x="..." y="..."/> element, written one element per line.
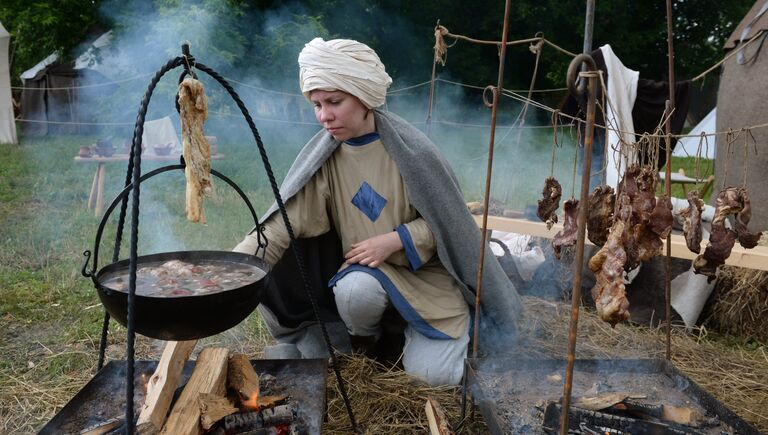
<point x="7" y="123"/>
<point x="688" y="146"/>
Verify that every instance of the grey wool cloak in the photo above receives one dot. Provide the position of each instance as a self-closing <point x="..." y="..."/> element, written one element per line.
<point x="434" y="191"/>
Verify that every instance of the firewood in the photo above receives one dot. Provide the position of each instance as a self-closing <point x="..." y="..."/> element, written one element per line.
<point x="242" y="378"/>
<point x="209" y="376"/>
<point x="681" y="415"/>
<point x="103" y="427"/>
<point x="438" y="422"/>
<point x="213" y="408"/>
<point x="161" y="386"/>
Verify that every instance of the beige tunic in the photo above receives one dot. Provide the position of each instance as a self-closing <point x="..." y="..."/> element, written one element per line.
<point x="360" y="192"/>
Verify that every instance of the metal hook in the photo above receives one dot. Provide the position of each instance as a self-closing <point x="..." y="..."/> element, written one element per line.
<point x="576" y="87"/>
<point x="84" y="271"/>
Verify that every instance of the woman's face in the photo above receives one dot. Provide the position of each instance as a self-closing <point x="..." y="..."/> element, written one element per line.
<point x="341" y="114"/>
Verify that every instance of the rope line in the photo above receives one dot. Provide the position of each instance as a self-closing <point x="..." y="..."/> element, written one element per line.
<point x="509" y="93"/>
<point x="441" y="48"/>
<point x="95" y="85"/>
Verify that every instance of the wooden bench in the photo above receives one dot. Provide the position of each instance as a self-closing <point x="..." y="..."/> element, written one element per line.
<point x="756" y="258"/>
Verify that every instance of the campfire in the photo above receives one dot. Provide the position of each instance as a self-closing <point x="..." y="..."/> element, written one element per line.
<point x="221" y="393"/>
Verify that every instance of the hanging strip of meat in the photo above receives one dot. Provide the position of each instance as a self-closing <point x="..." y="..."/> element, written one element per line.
<point x="549" y="202"/>
<point x="600" y="219"/>
<point x="608" y="266"/>
<point x="721" y="239"/>
<point x="692" y="221"/>
<point x="193" y="105"/>
<point x="567" y="236"/>
<point x="661" y="217"/>
<point x="746" y="239"/>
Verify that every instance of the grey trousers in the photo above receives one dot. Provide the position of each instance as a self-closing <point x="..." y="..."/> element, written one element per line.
<point x="361" y="301"/>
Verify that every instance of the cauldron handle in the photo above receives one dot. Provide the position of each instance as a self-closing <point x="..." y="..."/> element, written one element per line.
<point x="92" y="273"/>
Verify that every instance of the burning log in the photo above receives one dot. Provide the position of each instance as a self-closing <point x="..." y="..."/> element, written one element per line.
<point x="438" y="422"/>
<point x="209" y="377"/>
<point x="213" y="408"/>
<point x="245" y="421"/>
<point x="243" y="380"/>
<point x="162" y="384"/>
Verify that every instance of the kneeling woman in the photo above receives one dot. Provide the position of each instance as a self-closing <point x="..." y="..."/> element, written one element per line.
<point x="374" y="186"/>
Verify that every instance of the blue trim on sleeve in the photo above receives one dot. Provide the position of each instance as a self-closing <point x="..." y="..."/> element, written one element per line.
<point x="363" y="140"/>
<point x="401" y="304"/>
<point x="410" y="249"/>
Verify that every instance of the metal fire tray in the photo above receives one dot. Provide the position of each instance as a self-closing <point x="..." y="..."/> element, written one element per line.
<point x="512" y="393"/>
<point x="103" y="397"/>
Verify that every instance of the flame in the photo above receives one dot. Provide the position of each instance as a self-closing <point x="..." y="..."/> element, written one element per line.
<point x="252" y="404"/>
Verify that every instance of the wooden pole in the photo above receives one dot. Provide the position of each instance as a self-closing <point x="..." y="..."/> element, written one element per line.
<point x="489" y="170"/>
<point x="591" y="75"/>
<point x="667" y="179"/>
<point x="432" y="88"/>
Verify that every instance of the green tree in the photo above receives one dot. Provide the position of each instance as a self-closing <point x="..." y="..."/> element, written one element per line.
<point x="38" y="28"/>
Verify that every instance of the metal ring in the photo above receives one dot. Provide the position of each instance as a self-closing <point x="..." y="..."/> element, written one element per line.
<point x="579" y="92"/>
<point x="494" y="91"/>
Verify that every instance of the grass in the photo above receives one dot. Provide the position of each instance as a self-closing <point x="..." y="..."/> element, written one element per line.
<point x="50" y="316"/>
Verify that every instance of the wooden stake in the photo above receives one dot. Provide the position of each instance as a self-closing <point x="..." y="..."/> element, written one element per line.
<point x="210" y="376"/>
<point x="438" y="422"/>
<point x="161" y="386"/>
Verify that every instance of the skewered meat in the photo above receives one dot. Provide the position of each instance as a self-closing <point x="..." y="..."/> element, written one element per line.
<point x="193" y="105"/>
<point x="661" y="217"/>
<point x="692" y="221"/>
<point x="600" y="218"/>
<point x="746" y="239"/>
<point x="567" y="236"/>
<point x="549" y="202"/>
<point x="608" y="266"/>
<point x="721" y="239"/>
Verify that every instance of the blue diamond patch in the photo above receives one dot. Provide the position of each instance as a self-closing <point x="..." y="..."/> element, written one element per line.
<point x="369" y="202"/>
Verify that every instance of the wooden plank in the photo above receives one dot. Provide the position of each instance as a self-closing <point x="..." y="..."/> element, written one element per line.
<point x="210" y="376"/>
<point x="438" y="423"/>
<point x="755" y="258"/>
<point x="162" y="384"/>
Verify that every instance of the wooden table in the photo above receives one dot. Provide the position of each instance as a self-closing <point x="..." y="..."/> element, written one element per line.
<point x="679" y="177"/>
<point x="755" y="258"/>
<point x="96" y="196"/>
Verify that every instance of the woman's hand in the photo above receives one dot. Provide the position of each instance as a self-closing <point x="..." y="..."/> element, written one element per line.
<point x="374" y="251"/>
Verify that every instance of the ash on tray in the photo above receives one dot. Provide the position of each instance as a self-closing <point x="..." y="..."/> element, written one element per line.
<point x="513" y="395"/>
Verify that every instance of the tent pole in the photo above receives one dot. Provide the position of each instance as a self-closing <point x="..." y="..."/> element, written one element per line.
<point x="667" y="179"/>
<point x="484" y="236"/>
<point x="589" y="20"/>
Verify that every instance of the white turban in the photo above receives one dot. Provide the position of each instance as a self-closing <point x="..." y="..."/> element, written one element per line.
<point x="344" y="65"/>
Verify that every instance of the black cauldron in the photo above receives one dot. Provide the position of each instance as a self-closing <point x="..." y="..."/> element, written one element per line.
<point x="183" y="317"/>
<point x="186" y="317"/>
